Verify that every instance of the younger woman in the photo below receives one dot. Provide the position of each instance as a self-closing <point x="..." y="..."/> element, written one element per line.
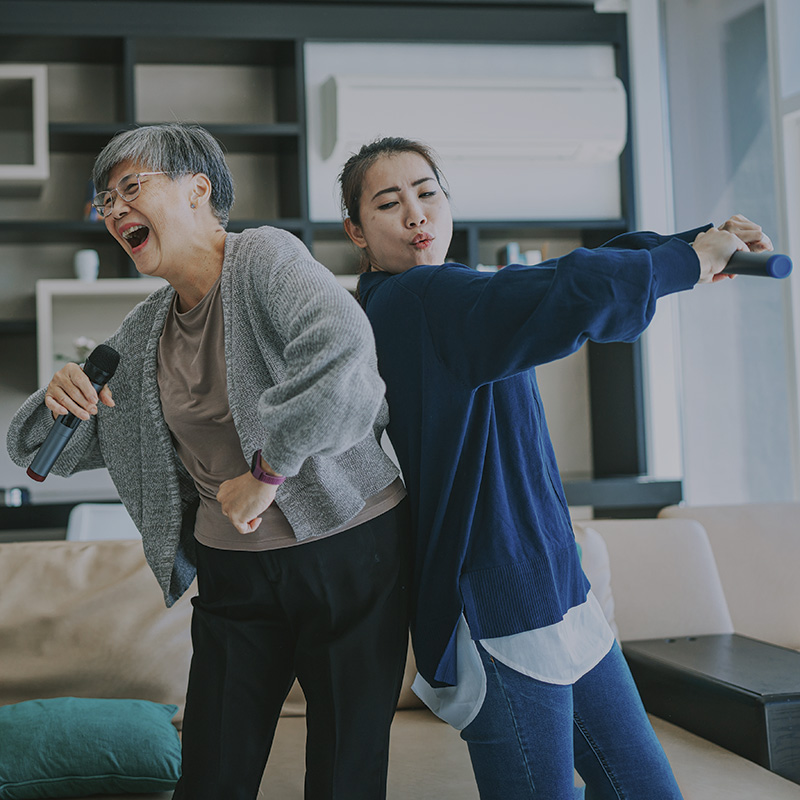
<point x="511" y="645"/>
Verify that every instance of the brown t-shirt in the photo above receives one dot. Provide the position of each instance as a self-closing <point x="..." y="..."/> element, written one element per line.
<point x="192" y="381"/>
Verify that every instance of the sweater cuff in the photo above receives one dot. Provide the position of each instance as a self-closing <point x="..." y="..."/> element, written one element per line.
<point x="690" y="236"/>
<point x="676" y="267"/>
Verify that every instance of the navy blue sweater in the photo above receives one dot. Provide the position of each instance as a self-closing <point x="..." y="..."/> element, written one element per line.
<point x="457" y="349"/>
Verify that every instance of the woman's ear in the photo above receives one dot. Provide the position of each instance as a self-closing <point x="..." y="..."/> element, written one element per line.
<point x="200" y="189"/>
<point x="355" y="233"/>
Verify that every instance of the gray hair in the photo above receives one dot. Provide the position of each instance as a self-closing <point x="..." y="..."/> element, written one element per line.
<point x="176" y="148"/>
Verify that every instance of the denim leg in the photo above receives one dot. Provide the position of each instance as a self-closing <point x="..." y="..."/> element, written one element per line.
<point x="520" y="743"/>
<point x="616" y="750"/>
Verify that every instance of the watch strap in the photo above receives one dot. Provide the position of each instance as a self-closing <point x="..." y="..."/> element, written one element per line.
<point x="260" y="475"/>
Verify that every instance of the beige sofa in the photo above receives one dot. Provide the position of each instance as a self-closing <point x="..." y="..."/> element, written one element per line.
<point x="86" y="619"/>
<point x="757" y="550"/>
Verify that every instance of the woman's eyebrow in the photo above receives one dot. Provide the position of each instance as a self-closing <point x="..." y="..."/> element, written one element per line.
<point x="397" y="188"/>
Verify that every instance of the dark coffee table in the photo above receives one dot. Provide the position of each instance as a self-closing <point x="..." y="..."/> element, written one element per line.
<point x="737" y="692"/>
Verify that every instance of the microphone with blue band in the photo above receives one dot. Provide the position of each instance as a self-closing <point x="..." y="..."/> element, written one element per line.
<point x="764" y="265"/>
<point x="100" y="366"/>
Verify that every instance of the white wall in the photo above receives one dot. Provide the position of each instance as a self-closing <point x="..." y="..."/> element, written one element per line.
<point x="734" y="349"/>
<point x="783" y="29"/>
<point x="654" y="211"/>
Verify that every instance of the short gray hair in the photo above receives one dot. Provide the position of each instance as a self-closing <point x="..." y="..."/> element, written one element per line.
<point x="176" y="148"/>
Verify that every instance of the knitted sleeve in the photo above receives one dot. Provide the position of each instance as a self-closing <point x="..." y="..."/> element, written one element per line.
<point x="29" y="428"/>
<point x="487" y="328"/>
<point x="329" y="393"/>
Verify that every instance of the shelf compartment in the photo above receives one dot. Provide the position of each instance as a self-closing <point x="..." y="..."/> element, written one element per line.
<point x="85" y="93"/>
<point x="207" y="94"/>
<point x="24" y="155"/>
<point x="69" y="309"/>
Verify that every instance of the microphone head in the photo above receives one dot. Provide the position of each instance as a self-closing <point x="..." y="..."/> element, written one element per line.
<point x="105" y="359"/>
<point x="779" y="266"/>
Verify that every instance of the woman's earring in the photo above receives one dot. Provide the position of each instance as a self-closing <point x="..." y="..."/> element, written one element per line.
<point x="193" y="205"/>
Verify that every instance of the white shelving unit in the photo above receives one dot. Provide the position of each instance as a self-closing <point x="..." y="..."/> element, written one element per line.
<point x="67" y="310"/>
<point x="24" y="152"/>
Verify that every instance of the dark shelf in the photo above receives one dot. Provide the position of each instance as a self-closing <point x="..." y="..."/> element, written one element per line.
<point x="554" y="225"/>
<point x="37" y="49"/>
<point x="208" y="51"/>
<point x="11" y="327"/>
<point x="530" y="226"/>
<point x="68" y="137"/>
<point x="277" y="137"/>
<point x="91" y="138"/>
<point x="52" y="232"/>
<point x="632" y="492"/>
<point x="34" y="516"/>
<point x="293" y="225"/>
<point x="623" y="496"/>
<point x="69" y="232"/>
<point x="272" y="35"/>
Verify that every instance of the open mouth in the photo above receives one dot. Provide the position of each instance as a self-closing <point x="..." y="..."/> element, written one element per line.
<point x="136" y="235"/>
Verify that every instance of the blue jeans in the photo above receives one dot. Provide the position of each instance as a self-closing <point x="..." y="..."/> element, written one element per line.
<point x="528" y="736"/>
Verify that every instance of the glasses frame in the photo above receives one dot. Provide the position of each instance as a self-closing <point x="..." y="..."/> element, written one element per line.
<point x="99" y="205"/>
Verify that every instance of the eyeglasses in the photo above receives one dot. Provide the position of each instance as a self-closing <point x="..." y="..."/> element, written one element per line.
<point x="127" y="188"/>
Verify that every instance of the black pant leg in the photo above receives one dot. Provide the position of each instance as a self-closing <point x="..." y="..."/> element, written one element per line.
<point x="351" y="654"/>
<point x="241" y="671"/>
<point x="336" y="612"/>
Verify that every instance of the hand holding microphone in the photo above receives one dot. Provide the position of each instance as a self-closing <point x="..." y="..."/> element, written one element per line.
<point x="760" y="261"/>
<point x="738" y="247"/>
<point x="73" y="394"/>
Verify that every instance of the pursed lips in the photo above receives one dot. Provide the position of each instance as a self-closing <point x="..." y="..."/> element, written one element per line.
<point x="421" y="240"/>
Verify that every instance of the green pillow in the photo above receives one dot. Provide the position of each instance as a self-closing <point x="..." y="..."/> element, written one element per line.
<point x="73" y="747"/>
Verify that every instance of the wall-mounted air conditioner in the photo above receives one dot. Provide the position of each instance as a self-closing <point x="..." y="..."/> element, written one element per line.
<point x="580" y="121"/>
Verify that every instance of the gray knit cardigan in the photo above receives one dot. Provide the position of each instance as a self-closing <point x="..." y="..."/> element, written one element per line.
<point x="302" y="385"/>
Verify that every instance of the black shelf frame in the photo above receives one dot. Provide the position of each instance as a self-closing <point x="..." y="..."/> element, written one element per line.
<point x="274" y="34"/>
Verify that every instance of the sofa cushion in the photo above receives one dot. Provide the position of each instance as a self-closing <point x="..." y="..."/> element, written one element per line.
<point x="72" y="747"/>
<point x="663" y="578"/>
<point x="595" y="563"/>
<point x="87" y="619"/>
<point x="757" y="550"/>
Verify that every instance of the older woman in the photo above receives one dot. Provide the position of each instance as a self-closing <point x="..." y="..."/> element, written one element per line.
<point x="242" y="437"/>
<point x="511" y="645"/>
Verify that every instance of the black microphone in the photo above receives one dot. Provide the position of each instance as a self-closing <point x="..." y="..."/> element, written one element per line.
<point x="765" y="264"/>
<point x="99" y="367"/>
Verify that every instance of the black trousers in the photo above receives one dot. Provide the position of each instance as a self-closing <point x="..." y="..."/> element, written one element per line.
<point x="334" y="613"/>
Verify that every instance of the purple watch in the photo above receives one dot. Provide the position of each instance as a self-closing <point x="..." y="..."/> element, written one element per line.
<point x="260" y="475"/>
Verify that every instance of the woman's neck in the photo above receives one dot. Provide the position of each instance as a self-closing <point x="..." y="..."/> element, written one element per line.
<point x="199" y="272"/>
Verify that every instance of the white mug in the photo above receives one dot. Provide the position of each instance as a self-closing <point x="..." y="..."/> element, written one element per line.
<point x="87" y="265"/>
